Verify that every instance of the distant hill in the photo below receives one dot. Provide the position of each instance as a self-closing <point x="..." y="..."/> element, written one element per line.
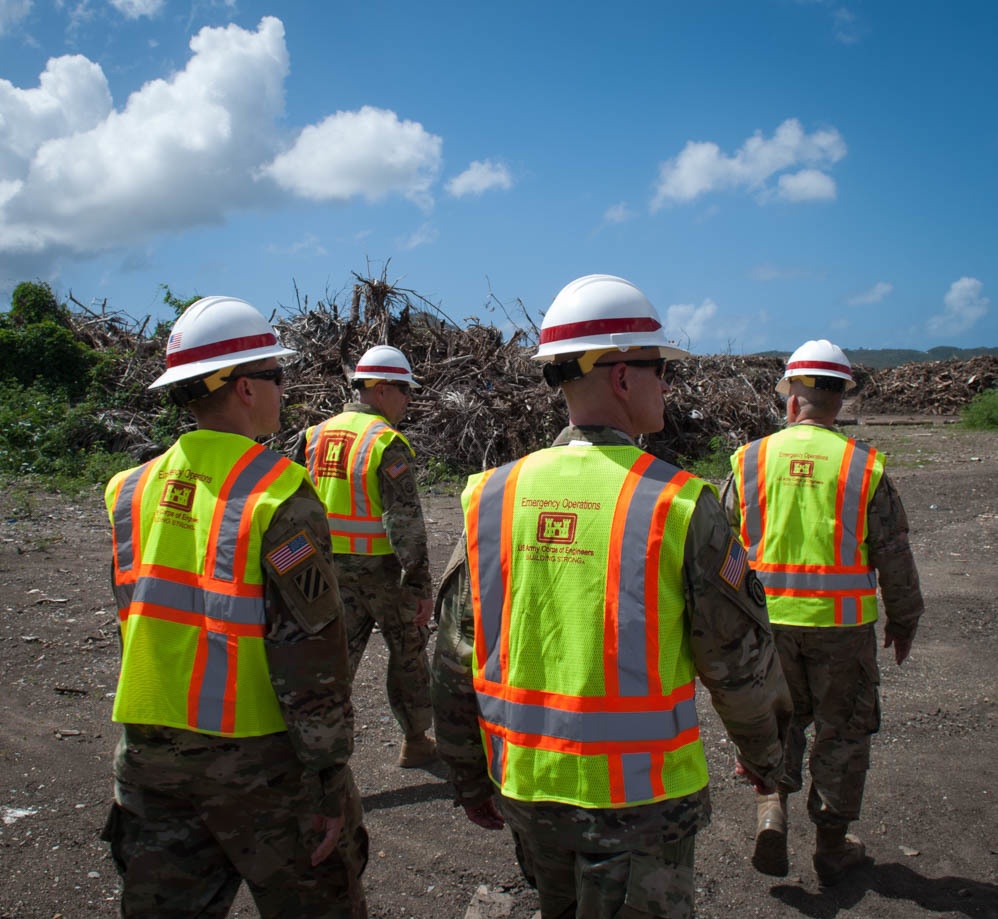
<point x="882" y="358"/>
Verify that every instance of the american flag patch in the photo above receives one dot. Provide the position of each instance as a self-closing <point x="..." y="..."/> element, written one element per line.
<point x="174" y="341"/>
<point x="397" y="468"/>
<point x="734" y="565"/>
<point x="291" y="553"/>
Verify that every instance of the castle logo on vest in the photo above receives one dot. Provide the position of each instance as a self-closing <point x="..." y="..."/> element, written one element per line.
<point x="179" y="495"/>
<point x="801" y="469"/>
<point x="334" y="450"/>
<point x="556" y="528"/>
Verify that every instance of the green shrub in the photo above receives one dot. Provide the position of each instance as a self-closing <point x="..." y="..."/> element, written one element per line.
<point x="715" y="466"/>
<point x="44" y="434"/>
<point x="32" y="303"/>
<point x="45" y="352"/>
<point x="982" y="412"/>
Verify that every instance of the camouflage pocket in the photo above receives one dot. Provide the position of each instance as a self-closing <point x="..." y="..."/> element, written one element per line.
<point x="865" y="718"/>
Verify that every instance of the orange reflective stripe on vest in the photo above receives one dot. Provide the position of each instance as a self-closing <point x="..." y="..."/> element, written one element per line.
<point x="632" y="723"/>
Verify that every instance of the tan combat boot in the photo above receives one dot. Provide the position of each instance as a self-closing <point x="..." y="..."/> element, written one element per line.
<point x="770" y="855"/>
<point x="835" y="853"/>
<point x="417" y="750"/>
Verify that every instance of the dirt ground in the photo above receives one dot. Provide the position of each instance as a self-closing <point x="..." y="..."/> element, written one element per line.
<point x="930" y="818"/>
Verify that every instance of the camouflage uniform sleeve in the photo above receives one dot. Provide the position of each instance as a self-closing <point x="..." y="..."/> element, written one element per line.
<point x="890" y="554"/>
<point x="306" y="647"/>
<point x="732" y="503"/>
<point x="298" y="448"/>
<point x="403" y="518"/>
<point x="455" y="710"/>
<point x="732" y="643"/>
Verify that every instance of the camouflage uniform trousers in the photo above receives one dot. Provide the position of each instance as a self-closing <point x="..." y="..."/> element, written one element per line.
<point x="369" y="588"/>
<point x="195" y="815"/>
<point x="833" y="678"/>
<point x="633" y="863"/>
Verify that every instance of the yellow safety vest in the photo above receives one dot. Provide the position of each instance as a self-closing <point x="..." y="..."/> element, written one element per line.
<point x="187" y="529"/>
<point x="582" y="666"/>
<point x="804" y="495"/>
<point x="343" y="455"/>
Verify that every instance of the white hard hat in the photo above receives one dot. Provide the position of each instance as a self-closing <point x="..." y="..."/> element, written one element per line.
<point x="817" y="359"/>
<point x="383" y="362"/>
<point x="602" y="312"/>
<point x="213" y="333"/>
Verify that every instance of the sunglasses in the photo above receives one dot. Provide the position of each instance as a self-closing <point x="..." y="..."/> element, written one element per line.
<point x="403" y="388"/>
<point x="274" y="374"/>
<point x="664" y="369"/>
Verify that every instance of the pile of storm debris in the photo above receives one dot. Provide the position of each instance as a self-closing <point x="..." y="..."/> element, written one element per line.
<point x="482" y="399"/>
<point x="933" y="388"/>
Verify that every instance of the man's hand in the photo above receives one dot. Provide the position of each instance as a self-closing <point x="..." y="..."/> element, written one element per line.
<point x="330" y="827"/>
<point x="485" y="815"/>
<point x="761" y="788"/>
<point x="902" y="647"/>
<point x="424" y="609"/>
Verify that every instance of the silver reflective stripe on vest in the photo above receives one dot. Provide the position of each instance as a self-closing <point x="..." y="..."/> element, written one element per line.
<point x="496" y="743"/>
<point x="361" y="506"/>
<point x="122" y="516"/>
<point x="235" y="504"/>
<point x="750" y="492"/>
<point x="851" y="610"/>
<point x="211" y="699"/>
<point x="637" y="776"/>
<point x="185" y="598"/>
<point x="348" y="526"/>
<point x="593" y="726"/>
<point x="852" y="513"/>
<point x="818" y="582"/>
<point x="632" y="672"/>
<point x="490" y="579"/>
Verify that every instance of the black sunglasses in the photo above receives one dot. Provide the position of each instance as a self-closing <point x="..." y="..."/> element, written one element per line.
<point x="275" y="374"/>
<point x="664" y="368"/>
<point x="403" y="388"/>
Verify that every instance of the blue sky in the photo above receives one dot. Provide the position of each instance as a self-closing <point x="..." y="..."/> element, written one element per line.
<point x="767" y="171"/>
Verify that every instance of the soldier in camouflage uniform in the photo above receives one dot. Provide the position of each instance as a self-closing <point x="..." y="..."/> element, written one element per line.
<point x="798" y="507"/>
<point x="362" y="468"/>
<point x="219" y="781"/>
<point x="607" y="351"/>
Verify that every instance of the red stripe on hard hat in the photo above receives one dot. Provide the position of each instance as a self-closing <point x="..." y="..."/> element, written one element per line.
<point x="599" y="327"/>
<point x="380" y="368"/>
<point x="219" y="348"/>
<point x="819" y="365"/>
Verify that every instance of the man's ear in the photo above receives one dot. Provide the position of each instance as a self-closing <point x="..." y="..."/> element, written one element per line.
<point x="243" y="388"/>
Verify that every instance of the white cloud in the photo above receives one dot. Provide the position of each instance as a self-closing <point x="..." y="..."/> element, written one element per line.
<point x="78" y="176"/>
<point x="685" y="322"/>
<point x="368" y="153"/>
<point x="12" y="12"/>
<point x="309" y="244"/>
<point x="479" y="177"/>
<point x="133" y="9"/>
<point x="424" y="236"/>
<point x="847" y="27"/>
<point x="72" y="97"/>
<point x="806" y="185"/>
<point x="874" y="295"/>
<point x="964" y="304"/>
<point x="701" y="167"/>
<point x="618" y="213"/>
<point x="180" y="153"/>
